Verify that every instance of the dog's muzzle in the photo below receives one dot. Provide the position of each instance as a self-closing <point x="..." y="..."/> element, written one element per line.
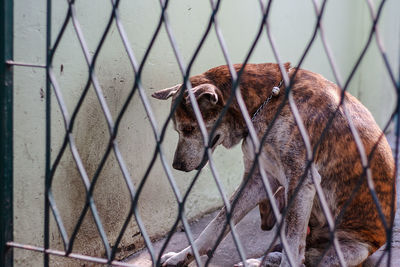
<point x="205" y="158"/>
<point x="181" y="165"/>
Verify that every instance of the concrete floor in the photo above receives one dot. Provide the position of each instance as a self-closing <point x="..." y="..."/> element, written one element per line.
<point x="251" y="236"/>
<point x="254" y="240"/>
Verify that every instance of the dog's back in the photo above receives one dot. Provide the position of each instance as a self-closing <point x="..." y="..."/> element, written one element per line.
<point x="343" y="178"/>
<point x="338" y="161"/>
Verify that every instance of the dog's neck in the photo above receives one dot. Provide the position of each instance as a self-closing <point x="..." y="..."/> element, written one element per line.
<point x="256" y="85"/>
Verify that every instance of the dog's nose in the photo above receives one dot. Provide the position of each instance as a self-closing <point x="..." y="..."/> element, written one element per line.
<point x="179" y="165"/>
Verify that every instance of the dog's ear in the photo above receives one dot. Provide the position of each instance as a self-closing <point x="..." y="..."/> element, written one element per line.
<point x="167" y="92"/>
<point x="206" y="91"/>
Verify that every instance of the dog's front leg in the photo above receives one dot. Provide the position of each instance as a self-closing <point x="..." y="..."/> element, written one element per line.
<point x="250" y="196"/>
<point x="297" y="217"/>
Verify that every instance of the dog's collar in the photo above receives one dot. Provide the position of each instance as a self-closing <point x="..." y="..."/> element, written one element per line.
<point x="274" y="93"/>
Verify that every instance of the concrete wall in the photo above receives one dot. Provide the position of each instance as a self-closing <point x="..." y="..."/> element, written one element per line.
<point x="346" y="25"/>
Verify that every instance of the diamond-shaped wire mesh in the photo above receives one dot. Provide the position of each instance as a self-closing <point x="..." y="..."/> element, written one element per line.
<point x="255" y="138"/>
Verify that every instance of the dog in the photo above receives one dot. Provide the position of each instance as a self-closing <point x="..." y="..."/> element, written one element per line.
<point x="337" y="163"/>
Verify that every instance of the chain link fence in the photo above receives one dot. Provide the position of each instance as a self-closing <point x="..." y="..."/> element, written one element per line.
<point x="67" y="114"/>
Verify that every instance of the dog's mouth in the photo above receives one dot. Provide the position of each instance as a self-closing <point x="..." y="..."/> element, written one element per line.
<point x="205" y="159"/>
<point x="215" y="141"/>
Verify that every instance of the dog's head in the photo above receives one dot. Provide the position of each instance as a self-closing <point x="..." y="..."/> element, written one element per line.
<point x="190" y="150"/>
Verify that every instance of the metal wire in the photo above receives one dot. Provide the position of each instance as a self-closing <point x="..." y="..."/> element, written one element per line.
<point x="89" y="183"/>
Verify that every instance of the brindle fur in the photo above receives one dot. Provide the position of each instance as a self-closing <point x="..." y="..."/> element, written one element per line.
<point x="337" y="161"/>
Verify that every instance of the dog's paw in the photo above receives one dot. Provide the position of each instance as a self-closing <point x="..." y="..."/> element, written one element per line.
<point x="249" y="263"/>
<point x="166" y="257"/>
<point x="175" y="259"/>
<point x="273" y="259"/>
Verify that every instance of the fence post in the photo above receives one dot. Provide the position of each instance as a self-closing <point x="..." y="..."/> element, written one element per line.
<point x="6" y="132"/>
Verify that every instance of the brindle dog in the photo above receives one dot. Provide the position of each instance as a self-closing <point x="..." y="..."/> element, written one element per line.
<point x="337" y="162"/>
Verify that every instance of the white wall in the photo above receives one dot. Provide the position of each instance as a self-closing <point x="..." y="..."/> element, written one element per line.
<point x="346" y="26"/>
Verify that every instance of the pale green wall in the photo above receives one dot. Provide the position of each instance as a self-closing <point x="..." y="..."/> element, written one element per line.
<point x="346" y="24"/>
